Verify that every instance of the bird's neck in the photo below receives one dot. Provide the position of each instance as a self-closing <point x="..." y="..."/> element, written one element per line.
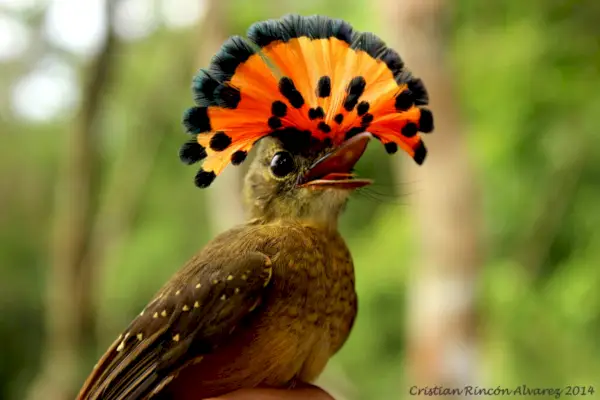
<point x="323" y="221"/>
<point x="304" y="208"/>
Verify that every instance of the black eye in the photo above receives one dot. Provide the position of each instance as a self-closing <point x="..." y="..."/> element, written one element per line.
<point x="282" y="164"/>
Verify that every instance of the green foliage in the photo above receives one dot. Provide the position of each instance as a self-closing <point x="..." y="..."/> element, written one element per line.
<point x="528" y="81"/>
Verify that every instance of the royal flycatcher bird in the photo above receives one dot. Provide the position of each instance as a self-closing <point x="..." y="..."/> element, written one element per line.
<point x="267" y="303"/>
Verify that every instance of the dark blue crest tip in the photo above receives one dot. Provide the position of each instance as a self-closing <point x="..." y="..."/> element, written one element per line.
<point x="369" y="43"/>
<point x="392" y="59"/>
<point x="420" y="95"/>
<point x="192" y="152"/>
<point x="294" y="26"/>
<point x="203" y="87"/>
<point x="235" y="51"/>
<point x="196" y="120"/>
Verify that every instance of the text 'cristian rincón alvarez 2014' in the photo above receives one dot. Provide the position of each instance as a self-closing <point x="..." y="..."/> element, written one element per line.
<point x="521" y="390"/>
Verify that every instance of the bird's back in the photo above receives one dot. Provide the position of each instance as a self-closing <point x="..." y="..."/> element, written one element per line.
<point x="305" y="318"/>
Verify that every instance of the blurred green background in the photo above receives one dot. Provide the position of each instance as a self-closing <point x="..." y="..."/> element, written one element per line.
<point x="480" y="268"/>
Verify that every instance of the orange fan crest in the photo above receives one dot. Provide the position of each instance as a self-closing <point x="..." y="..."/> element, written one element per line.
<point x="314" y="77"/>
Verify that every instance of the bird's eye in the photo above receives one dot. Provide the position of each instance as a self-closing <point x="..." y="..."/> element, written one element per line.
<point x="282" y="164"/>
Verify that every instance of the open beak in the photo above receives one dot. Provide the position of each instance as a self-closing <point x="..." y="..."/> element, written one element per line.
<point x="334" y="169"/>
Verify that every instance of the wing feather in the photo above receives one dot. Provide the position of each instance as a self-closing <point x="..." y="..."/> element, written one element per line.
<point x="189" y="317"/>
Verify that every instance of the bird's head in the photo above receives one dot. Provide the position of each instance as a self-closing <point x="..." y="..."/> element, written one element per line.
<point x="307" y="89"/>
<point x="312" y="186"/>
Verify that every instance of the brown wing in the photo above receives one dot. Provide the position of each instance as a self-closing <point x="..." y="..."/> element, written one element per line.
<point x="192" y="314"/>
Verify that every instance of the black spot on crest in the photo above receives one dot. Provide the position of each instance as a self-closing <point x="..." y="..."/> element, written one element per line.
<point x="391" y="147"/>
<point x="204" y="178"/>
<point x="354" y="90"/>
<point x="278" y="108"/>
<point x="323" y="127"/>
<point x="316" y="113"/>
<point x="274" y="123"/>
<point x="339" y="118"/>
<point x="191" y="152"/>
<point x="409" y="130"/>
<point x="420" y="153"/>
<point x="404" y="100"/>
<point x="227" y="96"/>
<point x="363" y="108"/>
<point x="425" y="120"/>
<point x="289" y="91"/>
<point x="366" y="120"/>
<point x="353" y="132"/>
<point x="293" y="139"/>
<point x="220" y="141"/>
<point x="196" y="120"/>
<point x="324" y="86"/>
<point x="238" y="157"/>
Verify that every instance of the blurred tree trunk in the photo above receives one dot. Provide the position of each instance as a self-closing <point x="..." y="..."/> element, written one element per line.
<point x="68" y="299"/>
<point x="441" y="316"/>
<point x="127" y="184"/>
<point x="225" y="208"/>
<point x="124" y="192"/>
<point x="553" y="208"/>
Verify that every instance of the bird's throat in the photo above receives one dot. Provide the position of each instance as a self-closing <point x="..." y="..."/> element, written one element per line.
<point x="322" y="214"/>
